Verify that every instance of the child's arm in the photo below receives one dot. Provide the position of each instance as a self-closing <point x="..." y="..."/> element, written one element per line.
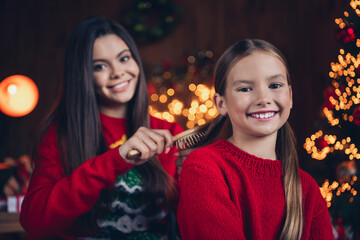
<point x="54" y="201"/>
<point x="205" y="209"/>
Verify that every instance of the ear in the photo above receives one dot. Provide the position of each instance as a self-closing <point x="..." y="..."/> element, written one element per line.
<point x="220" y="104"/>
<point x="291" y="97"/>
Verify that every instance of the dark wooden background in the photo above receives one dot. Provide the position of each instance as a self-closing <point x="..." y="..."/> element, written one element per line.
<point x="33" y="35"/>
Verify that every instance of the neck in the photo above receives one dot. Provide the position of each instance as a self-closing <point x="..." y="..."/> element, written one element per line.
<point x="115" y="112"/>
<point x="262" y="147"/>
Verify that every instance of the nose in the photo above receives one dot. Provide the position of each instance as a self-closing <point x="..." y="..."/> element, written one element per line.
<point x="263" y="97"/>
<point x="117" y="71"/>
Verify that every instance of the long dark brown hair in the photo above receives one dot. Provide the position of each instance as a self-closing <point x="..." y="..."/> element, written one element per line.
<point x="76" y="112"/>
<point x="285" y="143"/>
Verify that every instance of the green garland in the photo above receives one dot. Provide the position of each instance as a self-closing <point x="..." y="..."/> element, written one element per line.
<point x="151" y="20"/>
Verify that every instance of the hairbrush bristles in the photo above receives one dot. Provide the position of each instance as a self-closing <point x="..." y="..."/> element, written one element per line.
<point x="190" y="140"/>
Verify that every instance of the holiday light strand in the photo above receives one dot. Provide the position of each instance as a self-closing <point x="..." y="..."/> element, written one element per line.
<point x="327" y="190"/>
<point x="332" y="144"/>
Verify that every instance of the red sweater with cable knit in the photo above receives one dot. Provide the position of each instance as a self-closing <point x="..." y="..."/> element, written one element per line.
<point x="226" y="193"/>
<point x="54" y="201"/>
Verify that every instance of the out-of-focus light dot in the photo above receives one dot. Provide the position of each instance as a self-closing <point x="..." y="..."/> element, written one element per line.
<point x="165" y="115"/>
<point x="177" y="111"/>
<point x="212" y="112"/>
<point x="171" y="118"/>
<point x="209" y="103"/>
<point x="203" y="108"/>
<point x="191" y="117"/>
<point x="178" y="105"/>
<point x="186" y="112"/>
<point x="166" y="75"/>
<point x="191" y="59"/>
<point x="170" y="92"/>
<point x="200" y="87"/>
<point x="158" y="115"/>
<point x="199" y="115"/>
<point x="209" y="54"/>
<point x="192" y="87"/>
<point x="194" y="104"/>
<point x="201" y="122"/>
<point x="192" y="111"/>
<point x="154" y="97"/>
<point x="163" y="98"/>
<point x="190" y="124"/>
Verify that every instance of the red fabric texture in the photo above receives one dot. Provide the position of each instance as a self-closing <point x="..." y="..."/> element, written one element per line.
<point x="54" y="201"/>
<point x="226" y="193"/>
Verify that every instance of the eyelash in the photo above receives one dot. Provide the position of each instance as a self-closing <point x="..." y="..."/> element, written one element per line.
<point x="271" y="86"/>
<point x="275" y="85"/>
<point x="124" y="58"/>
<point x="99" y="67"/>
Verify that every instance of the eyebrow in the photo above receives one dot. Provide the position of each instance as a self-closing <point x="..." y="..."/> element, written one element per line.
<point x="269" y="78"/>
<point x="119" y="54"/>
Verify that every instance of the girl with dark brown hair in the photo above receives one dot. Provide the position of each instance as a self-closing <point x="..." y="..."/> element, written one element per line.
<point x="83" y="185"/>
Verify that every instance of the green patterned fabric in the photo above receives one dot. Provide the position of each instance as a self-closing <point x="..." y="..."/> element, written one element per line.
<point x="129" y="217"/>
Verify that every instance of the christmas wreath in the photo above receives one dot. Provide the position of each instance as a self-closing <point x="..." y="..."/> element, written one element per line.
<point x="151" y="20"/>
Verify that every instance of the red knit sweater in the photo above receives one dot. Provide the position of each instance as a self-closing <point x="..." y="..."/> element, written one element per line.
<point x="226" y="193"/>
<point x="54" y="201"/>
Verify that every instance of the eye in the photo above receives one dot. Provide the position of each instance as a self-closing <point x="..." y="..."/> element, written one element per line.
<point x="275" y="85"/>
<point x="98" y="67"/>
<point x="244" y="89"/>
<point x="124" y="58"/>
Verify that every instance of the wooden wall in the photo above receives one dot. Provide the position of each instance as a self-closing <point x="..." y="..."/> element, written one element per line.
<point x="33" y="35"/>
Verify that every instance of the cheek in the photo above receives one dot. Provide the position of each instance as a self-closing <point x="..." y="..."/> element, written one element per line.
<point x="99" y="79"/>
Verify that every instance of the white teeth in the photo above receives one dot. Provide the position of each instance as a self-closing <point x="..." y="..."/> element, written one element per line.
<point x="122" y="84"/>
<point x="263" y="115"/>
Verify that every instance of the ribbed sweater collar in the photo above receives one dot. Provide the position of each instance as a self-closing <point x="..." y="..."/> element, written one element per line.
<point x="253" y="163"/>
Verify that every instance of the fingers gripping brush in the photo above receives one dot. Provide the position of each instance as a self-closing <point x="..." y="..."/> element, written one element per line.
<point x="192" y="138"/>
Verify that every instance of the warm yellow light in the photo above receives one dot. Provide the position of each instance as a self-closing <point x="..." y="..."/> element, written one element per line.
<point x="192" y="87"/>
<point x="163" y="98"/>
<point x="154" y="97"/>
<point x="18" y="96"/>
<point x="170" y="92"/>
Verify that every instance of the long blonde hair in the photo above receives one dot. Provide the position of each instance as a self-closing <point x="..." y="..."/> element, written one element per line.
<point x="285" y="143"/>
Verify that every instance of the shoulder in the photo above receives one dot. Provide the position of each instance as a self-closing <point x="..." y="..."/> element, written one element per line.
<point x="311" y="191"/>
<point x="205" y="157"/>
<point x="157" y="123"/>
<point x="307" y="181"/>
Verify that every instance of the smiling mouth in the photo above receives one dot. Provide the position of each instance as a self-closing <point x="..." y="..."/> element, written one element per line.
<point x="262" y="115"/>
<point x="120" y="85"/>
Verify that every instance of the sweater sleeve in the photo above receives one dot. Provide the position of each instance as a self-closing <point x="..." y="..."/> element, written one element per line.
<point x="53" y="200"/>
<point x="321" y="228"/>
<point x="317" y="223"/>
<point x="205" y="209"/>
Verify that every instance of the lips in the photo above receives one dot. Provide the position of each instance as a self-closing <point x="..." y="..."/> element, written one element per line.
<point x="120" y="85"/>
<point x="262" y="115"/>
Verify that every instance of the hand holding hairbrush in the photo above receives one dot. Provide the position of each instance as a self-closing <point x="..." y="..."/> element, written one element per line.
<point x="191" y="138"/>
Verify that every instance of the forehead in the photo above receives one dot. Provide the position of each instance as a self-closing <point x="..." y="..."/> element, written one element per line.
<point x="257" y="65"/>
<point x="108" y="44"/>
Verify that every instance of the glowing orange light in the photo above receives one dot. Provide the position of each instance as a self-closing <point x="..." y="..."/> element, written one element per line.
<point x="18" y="96"/>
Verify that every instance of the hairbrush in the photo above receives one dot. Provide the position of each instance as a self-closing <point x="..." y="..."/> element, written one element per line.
<point x="191" y="138"/>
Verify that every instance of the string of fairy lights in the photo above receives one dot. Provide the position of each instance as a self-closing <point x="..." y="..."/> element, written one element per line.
<point x="345" y="98"/>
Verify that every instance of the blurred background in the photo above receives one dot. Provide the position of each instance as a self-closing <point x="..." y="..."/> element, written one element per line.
<point x="179" y="41"/>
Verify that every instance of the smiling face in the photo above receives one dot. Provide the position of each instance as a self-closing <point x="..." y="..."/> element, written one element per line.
<point x="116" y="74"/>
<point x="257" y="96"/>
